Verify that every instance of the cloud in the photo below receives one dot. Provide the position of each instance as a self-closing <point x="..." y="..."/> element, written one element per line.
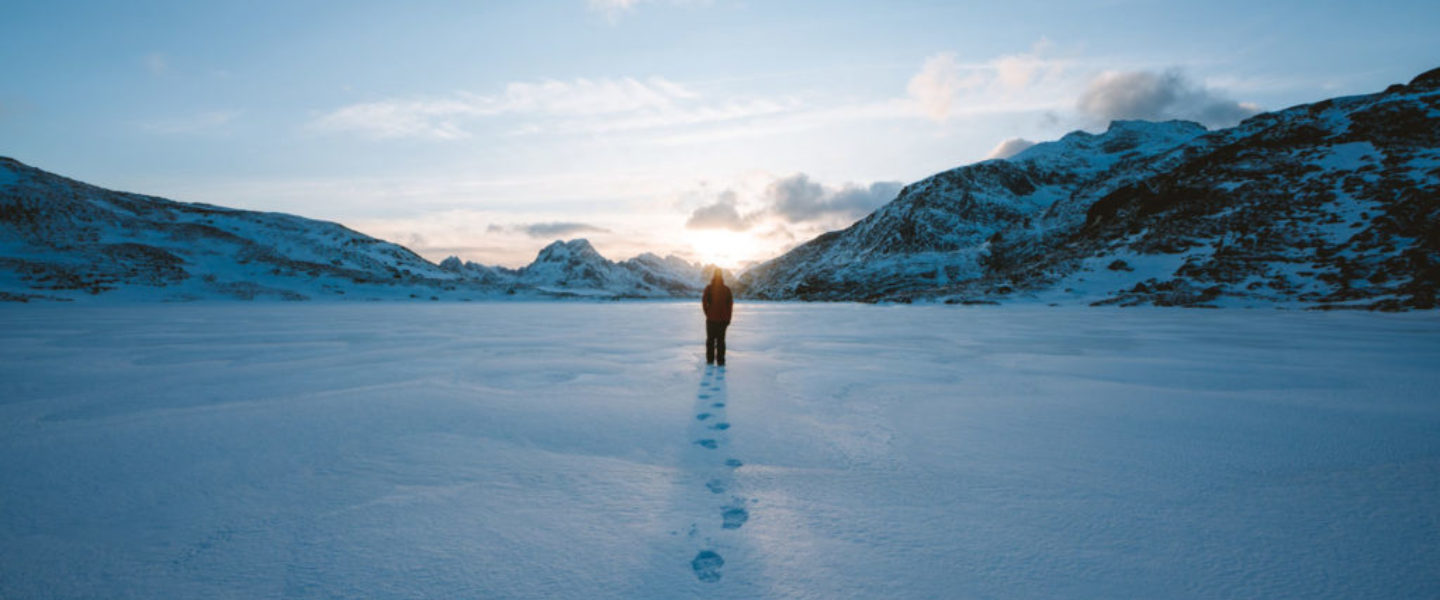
<point x="669" y="112"/>
<point x="581" y="106"/>
<point x="797" y="199"/>
<point x="546" y="230"/>
<point x="432" y="119"/>
<point x="937" y="85"/>
<point x="1153" y="96"/>
<point x="584" y="96"/>
<point x="722" y="214"/>
<point x="1019" y="71"/>
<point x="946" y="87"/>
<point x="560" y="229"/>
<point x="792" y="200"/>
<point x="1009" y="148"/>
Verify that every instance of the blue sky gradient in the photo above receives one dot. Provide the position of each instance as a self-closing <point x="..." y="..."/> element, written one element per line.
<point x="456" y="127"/>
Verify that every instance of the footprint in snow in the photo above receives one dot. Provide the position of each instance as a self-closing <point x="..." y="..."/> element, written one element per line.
<point x="715" y="486"/>
<point x="734" y="517"/>
<point x="717" y="405"/>
<point x="733" y="463"/>
<point x="708" y="443"/>
<point x="720" y="426"/>
<point x="702" y="416"/>
<point x="704" y="396"/>
<point x="707" y="566"/>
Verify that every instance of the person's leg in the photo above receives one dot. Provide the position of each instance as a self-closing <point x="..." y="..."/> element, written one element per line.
<point x="720" y="343"/>
<point x="710" y="342"/>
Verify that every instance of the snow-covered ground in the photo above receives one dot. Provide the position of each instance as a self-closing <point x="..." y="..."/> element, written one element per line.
<point x="581" y="450"/>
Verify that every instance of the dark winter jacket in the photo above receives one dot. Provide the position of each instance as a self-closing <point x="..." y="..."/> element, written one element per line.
<point x="717" y="302"/>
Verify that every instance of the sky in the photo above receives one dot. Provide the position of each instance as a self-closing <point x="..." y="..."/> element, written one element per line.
<point x="719" y="131"/>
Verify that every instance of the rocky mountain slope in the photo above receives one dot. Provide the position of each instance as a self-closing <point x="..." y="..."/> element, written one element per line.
<point x="1332" y="204"/>
<point x="61" y="239"/>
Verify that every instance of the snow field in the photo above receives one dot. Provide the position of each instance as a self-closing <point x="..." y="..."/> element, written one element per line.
<point x="576" y="450"/>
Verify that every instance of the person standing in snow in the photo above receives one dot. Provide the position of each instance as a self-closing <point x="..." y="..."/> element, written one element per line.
<point x="717" y="302"/>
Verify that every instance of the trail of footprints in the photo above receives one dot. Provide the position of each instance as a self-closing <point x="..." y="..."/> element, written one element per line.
<point x="710" y="413"/>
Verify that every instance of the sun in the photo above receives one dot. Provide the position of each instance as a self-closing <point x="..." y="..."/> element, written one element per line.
<point x="727" y="249"/>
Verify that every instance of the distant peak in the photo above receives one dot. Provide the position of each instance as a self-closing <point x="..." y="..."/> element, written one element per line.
<point x="573" y="245"/>
<point x="563" y="249"/>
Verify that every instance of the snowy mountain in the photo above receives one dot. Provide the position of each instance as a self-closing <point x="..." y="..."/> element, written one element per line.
<point x="1332" y="204"/>
<point x="574" y="267"/>
<point x="936" y="230"/>
<point x="61" y="239"/>
<point x="670" y="274"/>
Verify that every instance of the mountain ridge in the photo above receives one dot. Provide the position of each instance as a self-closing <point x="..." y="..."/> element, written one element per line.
<point x="1260" y="214"/>
<point x="62" y="239"/>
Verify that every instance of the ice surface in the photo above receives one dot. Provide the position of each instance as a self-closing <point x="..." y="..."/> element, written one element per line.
<point x="534" y="450"/>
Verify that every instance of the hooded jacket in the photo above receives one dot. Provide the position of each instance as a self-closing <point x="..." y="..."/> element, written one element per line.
<point x="717" y="302"/>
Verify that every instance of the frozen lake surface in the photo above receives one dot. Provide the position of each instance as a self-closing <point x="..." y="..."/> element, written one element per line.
<point x="576" y="450"/>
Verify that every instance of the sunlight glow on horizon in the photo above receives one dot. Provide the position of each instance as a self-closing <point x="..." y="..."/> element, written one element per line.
<point x="730" y="250"/>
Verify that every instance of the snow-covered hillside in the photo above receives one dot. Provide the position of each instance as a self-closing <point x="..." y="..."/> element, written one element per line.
<point x="65" y="240"/>
<point x="582" y="450"/>
<point x="60" y="238"/>
<point x="936" y="230"/>
<point x="1333" y="204"/>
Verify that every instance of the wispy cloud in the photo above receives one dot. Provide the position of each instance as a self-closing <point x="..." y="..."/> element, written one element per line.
<point x="677" y="113"/>
<point x="206" y="122"/>
<point x="938" y="84"/>
<point x="550" y="230"/>
<point x="432" y="119"/>
<point x="578" y="106"/>
<point x="946" y="87"/>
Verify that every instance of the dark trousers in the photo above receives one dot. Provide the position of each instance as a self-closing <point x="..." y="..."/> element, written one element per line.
<point x="715" y="342"/>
